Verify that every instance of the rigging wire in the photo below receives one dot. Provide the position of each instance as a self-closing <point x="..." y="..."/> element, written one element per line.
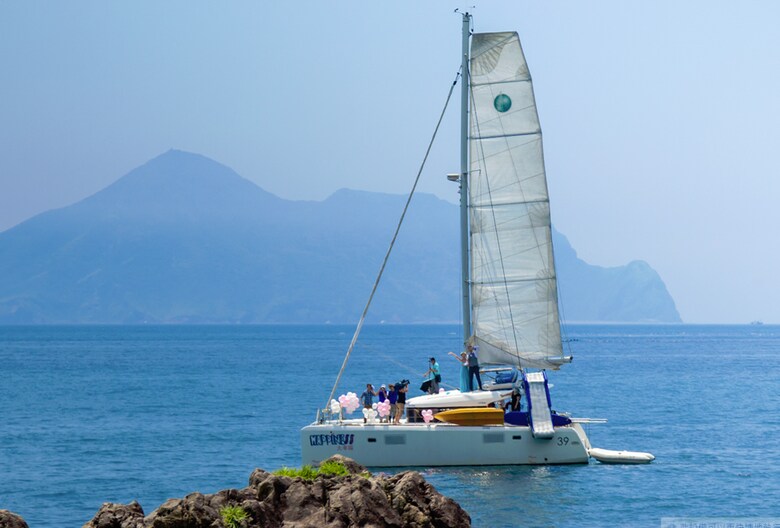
<point x="392" y="243"/>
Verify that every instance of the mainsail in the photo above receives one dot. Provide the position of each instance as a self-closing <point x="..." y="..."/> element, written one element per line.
<point x="513" y="287"/>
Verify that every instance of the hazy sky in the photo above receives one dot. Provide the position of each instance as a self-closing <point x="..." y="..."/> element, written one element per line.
<point x="660" y="118"/>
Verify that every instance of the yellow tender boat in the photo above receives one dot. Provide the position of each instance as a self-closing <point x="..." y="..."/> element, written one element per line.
<point x="472" y="416"/>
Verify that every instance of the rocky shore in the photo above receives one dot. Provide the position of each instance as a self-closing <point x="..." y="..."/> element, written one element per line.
<point x="353" y="499"/>
<point x="11" y="520"/>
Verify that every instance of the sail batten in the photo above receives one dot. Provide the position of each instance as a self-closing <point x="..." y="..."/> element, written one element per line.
<point x="508" y="135"/>
<point x="514" y="293"/>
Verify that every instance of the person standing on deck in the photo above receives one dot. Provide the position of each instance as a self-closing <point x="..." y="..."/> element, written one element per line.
<point x="382" y="395"/>
<point x="464" y="370"/>
<point x="367" y="398"/>
<point x="433" y="375"/>
<point x="399" y="406"/>
<point x="392" y="397"/>
<point x="473" y="367"/>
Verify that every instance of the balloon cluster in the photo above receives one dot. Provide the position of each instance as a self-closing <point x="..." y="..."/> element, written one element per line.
<point x="349" y="402"/>
<point x="427" y="415"/>
<point x="383" y="408"/>
<point x="370" y="414"/>
<point x="335" y="407"/>
<point x="442" y="391"/>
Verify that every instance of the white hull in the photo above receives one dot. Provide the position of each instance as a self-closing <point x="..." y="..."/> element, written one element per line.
<point x="440" y="444"/>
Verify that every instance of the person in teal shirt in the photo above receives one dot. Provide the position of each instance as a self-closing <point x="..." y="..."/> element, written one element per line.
<point x="433" y="376"/>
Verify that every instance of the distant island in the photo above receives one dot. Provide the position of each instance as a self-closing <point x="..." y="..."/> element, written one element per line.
<point x="184" y="239"/>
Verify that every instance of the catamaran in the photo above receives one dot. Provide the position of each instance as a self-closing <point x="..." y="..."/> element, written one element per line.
<point x="509" y="301"/>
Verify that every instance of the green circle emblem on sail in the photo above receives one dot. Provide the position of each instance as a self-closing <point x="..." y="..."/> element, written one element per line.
<point x="502" y="102"/>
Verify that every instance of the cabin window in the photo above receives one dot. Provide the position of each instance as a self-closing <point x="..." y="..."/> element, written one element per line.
<point x="371" y="440"/>
<point x="395" y="439"/>
<point x="493" y="438"/>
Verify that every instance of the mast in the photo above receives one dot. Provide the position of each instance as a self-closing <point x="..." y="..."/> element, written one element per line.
<point x="464" y="179"/>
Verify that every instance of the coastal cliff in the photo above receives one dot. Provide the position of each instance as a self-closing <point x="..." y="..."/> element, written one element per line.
<point x="355" y="498"/>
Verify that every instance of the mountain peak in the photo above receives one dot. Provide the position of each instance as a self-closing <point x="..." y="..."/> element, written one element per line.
<point x="177" y="181"/>
<point x="179" y="161"/>
<point x="181" y="168"/>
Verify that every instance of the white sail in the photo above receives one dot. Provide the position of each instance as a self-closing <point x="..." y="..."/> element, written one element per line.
<point x="513" y="287"/>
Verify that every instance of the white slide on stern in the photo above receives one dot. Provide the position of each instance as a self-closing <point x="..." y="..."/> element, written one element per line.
<point x="541" y="418"/>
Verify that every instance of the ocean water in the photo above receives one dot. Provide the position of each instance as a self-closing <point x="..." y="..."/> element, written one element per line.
<point x="115" y="413"/>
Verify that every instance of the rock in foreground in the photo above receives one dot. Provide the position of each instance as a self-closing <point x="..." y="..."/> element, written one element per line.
<point x="11" y="520"/>
<point x="272" y="501"/>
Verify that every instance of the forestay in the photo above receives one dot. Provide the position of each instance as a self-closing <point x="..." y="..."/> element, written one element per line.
<point x="513" y="287"/>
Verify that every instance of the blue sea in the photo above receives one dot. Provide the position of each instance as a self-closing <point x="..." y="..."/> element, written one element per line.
<point x="115" y="413"/>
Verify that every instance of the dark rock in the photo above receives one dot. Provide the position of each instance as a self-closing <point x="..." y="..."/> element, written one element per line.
<point x="112" y="515"/>
<point x="304" y="504"/>
<point x="257" y="476"/>
<point x="11" y="520"/>
<point x="193" y="511"/>
<point x="269" y="491"/>
<point x="363" y="503"/>
<point x="419" y="504"/>
<point x="274" y="501"/>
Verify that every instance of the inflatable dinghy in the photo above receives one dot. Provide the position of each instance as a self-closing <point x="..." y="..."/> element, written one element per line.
<point x="607" y="456"/>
